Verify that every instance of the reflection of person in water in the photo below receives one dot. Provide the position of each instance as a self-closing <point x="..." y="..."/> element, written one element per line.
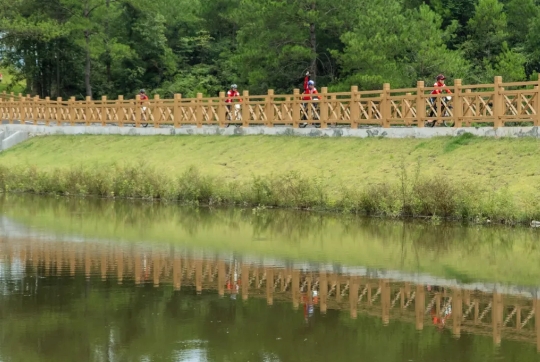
<point x="434" y="288"/>
<point x="446" y="313"/>
<point x="233" y="283"/>
<point x="309" y="303"/>
<point x="145" y="269"/>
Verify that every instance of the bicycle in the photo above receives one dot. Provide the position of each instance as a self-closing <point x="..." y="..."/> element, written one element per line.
<point x="445" y="112"/>
<point x="143" y="117"/>
<point x="237" y="115"/>
<point x="315" y="113"/>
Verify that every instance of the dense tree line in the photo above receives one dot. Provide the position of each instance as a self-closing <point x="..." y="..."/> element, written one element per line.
<point x="112" y="47"/>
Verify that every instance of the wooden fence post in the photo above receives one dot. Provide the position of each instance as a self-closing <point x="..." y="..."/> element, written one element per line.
<point x="385" y="106"/>
<point x="497" y="309"/>
<point x="11" y="110"/>
<point x="420" y="105"/>
<point x="385" y="301"/>
<point x="35" y="108"/>
<point x="354" y="107"/>
<point x="457" y="311"/>
<point x="177" y="111"/>
<point x="156" y="111"/>
<point x="72" y="112"/>
<point x="22" y="109"/>
<point x="19" y="108"/>
<point x="222" y="110"/>
<point x="246" y="111"/>
<point x="138" y="110"/>
<point x="103" y="113"/>
<point x="458" y="105"/>
<point x="498" y="102"/>
<point x="419" y="306"/>
<point x="536" y="107"/>
<point x="47" y="111"/>
<point x="120" y="113"/>
<point x="199" y="110"/>
<point x="353" y="296"/>
<point x="270" y="108"/>
<point x="58" y="112"/>
<point x="323" y="109"/>
<point x="296" y="108"/>
<point x="88" y="112"/>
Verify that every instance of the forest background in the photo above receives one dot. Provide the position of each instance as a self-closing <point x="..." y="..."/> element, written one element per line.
<point x="63" y="48"/>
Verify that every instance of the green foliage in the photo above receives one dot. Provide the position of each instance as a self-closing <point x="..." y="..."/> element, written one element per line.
<point x="438" y="196"/>
<point x="487" y="35"/>
<point x="104" y="47"/>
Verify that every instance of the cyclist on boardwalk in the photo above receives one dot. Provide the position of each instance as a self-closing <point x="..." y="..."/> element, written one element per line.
<point x="439" y="88"/>
<point x="309" y="91"/>
<point x="144" y="98"/>
<point x="232" y="95"/>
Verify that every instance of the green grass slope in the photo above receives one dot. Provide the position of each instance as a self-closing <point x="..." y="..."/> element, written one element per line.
<point x="344" y="161"/>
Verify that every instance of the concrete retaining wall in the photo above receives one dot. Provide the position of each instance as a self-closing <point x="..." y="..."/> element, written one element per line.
<point x="13" y="139"/>
<point x="275" y="131"/>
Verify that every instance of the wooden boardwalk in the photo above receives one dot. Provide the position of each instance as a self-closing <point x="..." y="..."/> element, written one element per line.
<point x="496" y="105"/>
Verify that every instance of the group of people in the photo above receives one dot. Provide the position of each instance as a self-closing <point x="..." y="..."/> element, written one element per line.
<point x="311" y="94"/>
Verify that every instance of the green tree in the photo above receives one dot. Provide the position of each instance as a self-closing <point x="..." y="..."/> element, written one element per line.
<point x="396" y="46"/>
<point x="532" y="46"/>
<point x="519" y="15"/>
<point x="298" y="35"/>
<point x="487" y="32"/>
<point x="453" y="11"/>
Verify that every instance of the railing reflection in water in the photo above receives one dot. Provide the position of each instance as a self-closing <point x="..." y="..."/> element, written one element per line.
<point x="459" y="309"/>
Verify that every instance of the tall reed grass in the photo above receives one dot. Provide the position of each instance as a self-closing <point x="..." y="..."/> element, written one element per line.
<point x="406" y="196"/>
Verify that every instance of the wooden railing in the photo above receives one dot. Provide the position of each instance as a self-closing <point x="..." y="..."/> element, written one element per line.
<point x="471" y="105"/>
<point x="513" y="317"/>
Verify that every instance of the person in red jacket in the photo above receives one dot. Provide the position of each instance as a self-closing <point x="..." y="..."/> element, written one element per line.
<point x="439" y="88"/>
<point x="144" y="98"/>
<point x="309" y="91"/>
<point x="232" y="95"/>
<point x="309" y="88"/>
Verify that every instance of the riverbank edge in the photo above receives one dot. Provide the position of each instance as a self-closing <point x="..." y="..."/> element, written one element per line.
<point x="394" y="132"/>
<point x="434" y="198"/>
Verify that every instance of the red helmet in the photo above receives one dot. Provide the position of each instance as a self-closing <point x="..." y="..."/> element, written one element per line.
<point x="441" y="77"/>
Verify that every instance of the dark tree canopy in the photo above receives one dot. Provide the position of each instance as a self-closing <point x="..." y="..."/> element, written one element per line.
<point x="110" y="47"/>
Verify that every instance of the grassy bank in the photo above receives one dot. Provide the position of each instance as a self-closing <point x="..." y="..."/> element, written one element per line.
<point x="469" y="254"/>
<point x="462" y="178"/>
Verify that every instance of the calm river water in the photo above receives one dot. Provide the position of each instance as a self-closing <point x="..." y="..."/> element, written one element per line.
<point x="95" y="280"/>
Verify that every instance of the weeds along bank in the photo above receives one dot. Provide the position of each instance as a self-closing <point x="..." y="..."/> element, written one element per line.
<point x="463" y="178"/>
